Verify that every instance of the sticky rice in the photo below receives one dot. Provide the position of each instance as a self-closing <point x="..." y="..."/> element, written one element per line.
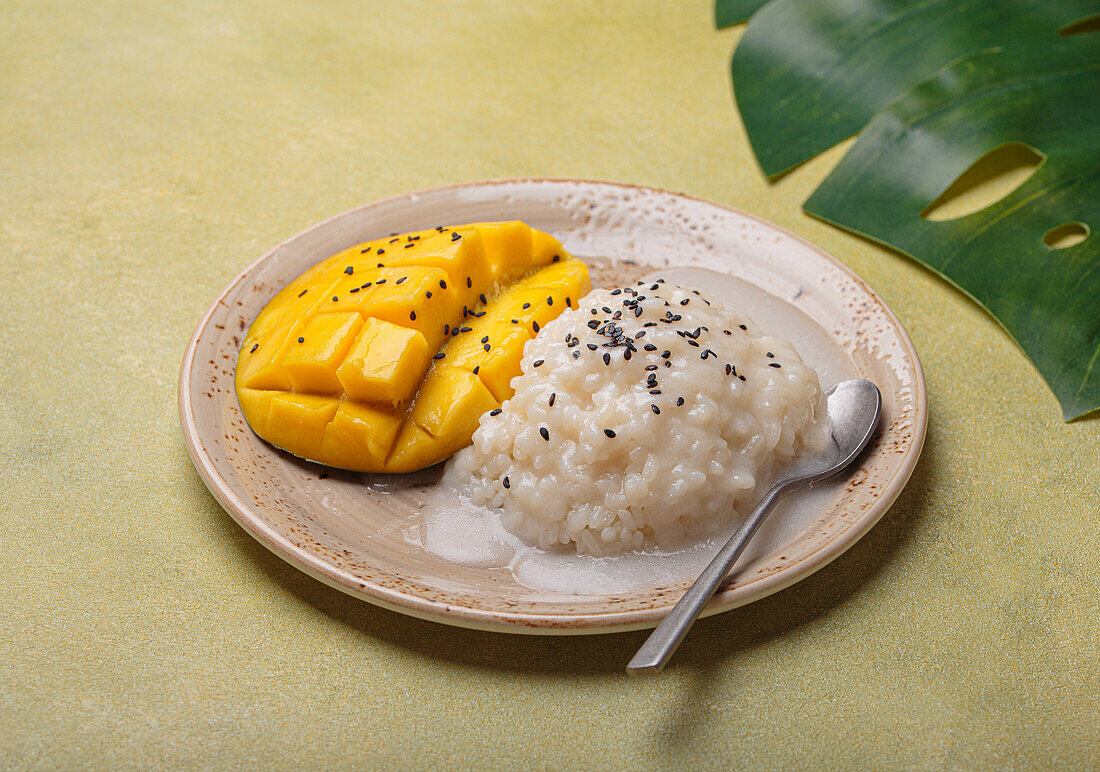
<point x="644" y="418"/>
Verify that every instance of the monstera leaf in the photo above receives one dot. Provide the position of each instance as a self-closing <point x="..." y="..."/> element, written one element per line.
<point x="938" y="85"/>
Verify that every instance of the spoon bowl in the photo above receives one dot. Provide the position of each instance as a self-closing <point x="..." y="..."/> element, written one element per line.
<point x="854" y="410"/>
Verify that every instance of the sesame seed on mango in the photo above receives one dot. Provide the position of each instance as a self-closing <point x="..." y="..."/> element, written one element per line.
<point x="382" y="357"/>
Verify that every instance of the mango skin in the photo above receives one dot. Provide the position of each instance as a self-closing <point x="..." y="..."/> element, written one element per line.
<point x="383" y="357"/>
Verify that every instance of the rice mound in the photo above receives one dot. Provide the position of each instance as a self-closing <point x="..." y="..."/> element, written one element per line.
<point x="644" y="418"/>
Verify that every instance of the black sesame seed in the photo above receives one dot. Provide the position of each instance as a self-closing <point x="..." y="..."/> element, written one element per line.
<point x="301" y="340"/>
<point x="401" y="280"/>
<point x="380" y="265"/>
<point x="364" y="286"/>
<point x="515" y="321"/>
<point x="303" y="292"/>
<point x="442" y="284"/>
<point x="353" y="290"/>
<point x="535" y="325"/>
<point x="455" y="236"/>
<point x="592" y="347"/>
<point x="651" y="367"/>
<point x="654" y="391"/>
<point x="537" y="363"/>
<point x="616" y="292"/>
<point x="465" y="329"/>
<point x="549" y="301"/>
<point x="774" y="364"/>
<point x="666" y="354"/>
<point x="576" y="355"/>
<point x="655" y="409"/>
<point x="526" y="306"/>
<point x="568" y="302"/>
<point x="553" y="396"/>
<point x="349" y="270"/>
<point x="506" y="483"/>
<point x="485" y="339"/>
<point x="545" y="433"/>
<point x="649" y="347"/>
<point x="381" y="251"/>
<point x="498" y="411"/>
<point x="469" y="283"/>
<point x="334" y="298"/>
<point x="481" y="297"/>
<point x="609" y="433"/>
<point x="254" y="347"/>
<point x="685" y="301"/>
<point x="412" y="316"/>
<point x="771" y="355"/>
<point x="487" y="346"/>
<point x="606" y="358"/>
<point x="693" y="343"/>
<point x="556" y="258"/>
<point x="440" y="355"/>
<point x="476" y="368"/>
<point x="743" y="327"/>
<point x="380" y="281"/>
<point x="446" y="329"/>
<point x="428" y="294"/>
<point x="679" y="401"/>
<point x="409" y="246"/>
<point x="741" y="377"/>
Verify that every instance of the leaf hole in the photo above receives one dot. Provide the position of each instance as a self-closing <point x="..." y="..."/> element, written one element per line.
<point x="1081" y="26"/>
<point x="991" y="178"/>
<point x="1067" y="234"/>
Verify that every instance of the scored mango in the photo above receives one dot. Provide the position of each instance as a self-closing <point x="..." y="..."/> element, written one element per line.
<point x="383" y="357"/>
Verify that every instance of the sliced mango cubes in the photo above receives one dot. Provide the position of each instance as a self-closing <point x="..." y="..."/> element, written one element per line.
<point x="383" y="357"/>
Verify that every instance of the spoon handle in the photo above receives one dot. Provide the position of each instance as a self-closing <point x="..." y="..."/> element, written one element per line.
<point x="662" y="642"/>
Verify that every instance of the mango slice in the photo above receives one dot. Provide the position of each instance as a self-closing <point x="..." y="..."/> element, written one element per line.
<point x="383" y="357"/>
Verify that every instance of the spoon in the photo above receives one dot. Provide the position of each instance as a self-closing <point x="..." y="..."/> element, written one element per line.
<point x="854" y="407"/>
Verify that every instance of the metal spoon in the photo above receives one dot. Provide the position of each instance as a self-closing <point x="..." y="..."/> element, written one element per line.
<point x="854" y="407"/>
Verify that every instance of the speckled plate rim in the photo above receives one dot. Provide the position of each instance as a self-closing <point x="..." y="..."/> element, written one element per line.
<point x="432" y="609"/>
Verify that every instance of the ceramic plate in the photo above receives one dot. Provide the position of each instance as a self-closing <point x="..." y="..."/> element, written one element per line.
<point x="357" y="532"/>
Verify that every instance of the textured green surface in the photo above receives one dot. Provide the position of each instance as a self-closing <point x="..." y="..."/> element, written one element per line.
<point x="1048" y="299"/>
<point x="148" y="152"/>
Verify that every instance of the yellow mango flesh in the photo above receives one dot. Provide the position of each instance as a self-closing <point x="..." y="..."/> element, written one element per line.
<point x="383" y="357"/>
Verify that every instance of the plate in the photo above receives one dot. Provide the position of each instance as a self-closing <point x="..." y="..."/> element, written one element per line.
<point x="357" y="532"/>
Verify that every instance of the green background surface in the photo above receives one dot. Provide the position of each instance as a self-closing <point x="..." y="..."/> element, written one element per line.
<point x="148" y="152"/>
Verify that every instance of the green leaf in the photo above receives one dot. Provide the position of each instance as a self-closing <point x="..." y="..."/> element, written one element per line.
<point x="1047" y="97"/>
<point x="730" y="12"/>
<point x="810" y="73"/>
